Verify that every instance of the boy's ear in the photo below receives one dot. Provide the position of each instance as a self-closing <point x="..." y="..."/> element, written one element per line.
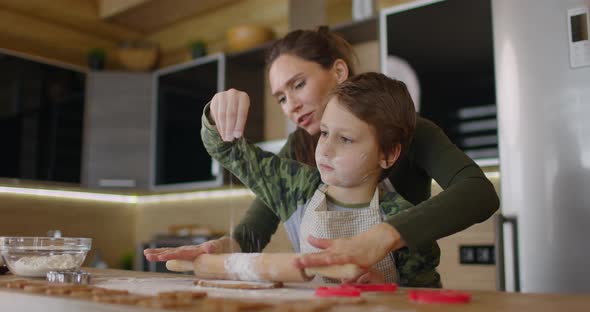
<point x="390" y="158"/>
<point x="340" y="69"/>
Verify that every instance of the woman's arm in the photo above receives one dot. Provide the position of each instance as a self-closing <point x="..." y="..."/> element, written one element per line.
<point x="468" y="197"/>
<point x="256" y="228"/>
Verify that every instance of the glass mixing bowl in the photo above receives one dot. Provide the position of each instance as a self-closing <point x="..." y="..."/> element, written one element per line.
<point x="35" y="256"/>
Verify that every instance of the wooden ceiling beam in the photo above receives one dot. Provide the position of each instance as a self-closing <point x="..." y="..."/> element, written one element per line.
<point x="112" y="8"/>
<point x="77" y="15"/>
<point x="147" y="16"/>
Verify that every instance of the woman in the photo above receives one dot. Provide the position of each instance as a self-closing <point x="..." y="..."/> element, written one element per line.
<point x="303" y="67"/>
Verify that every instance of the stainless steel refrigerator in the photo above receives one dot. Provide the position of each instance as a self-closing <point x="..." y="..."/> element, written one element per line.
<point x="542" y="58"/>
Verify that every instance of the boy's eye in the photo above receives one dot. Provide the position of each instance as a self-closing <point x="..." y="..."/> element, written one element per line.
<point x="346" y="140"/>
<point x="281" y="99"/>
<point x="323" y="133"/>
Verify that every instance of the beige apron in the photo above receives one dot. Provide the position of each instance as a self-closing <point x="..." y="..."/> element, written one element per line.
<point x="319" y="222"/>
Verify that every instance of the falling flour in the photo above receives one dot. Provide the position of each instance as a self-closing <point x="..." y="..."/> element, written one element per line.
<point x="242" y="266"/>
<point x="37" y="266"/>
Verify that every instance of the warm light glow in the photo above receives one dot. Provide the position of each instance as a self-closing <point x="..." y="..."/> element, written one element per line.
<point x="130" y="199"/>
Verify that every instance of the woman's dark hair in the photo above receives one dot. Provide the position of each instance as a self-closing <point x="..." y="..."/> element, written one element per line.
<point x="320" y="46"/>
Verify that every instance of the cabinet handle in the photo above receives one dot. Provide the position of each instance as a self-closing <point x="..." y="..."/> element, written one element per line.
<point x="499" y="222"/>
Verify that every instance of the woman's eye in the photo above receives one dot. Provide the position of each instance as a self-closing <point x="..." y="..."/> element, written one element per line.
<point x="323" y="133"/>
<point x="300" y="85"/>
<point x="281" y="100"/>
<point x="346" y="140"/>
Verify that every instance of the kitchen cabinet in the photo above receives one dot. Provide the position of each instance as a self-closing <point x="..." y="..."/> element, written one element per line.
<point x="41" y="120"/>
<point x="118" y="130"/>
<point x="444" y="51"/>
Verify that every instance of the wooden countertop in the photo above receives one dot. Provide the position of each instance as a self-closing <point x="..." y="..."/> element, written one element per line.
<point x="14" y="300"/>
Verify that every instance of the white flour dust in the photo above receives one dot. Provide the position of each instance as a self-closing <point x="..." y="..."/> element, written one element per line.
<point x="242" y="266"/>
<point x="37" y="266"/>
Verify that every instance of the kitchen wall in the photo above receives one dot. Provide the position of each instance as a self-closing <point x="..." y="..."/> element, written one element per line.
<point x="110" y="225"/>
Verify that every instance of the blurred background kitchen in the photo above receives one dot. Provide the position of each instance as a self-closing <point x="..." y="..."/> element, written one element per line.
<point x="100" y="105"/>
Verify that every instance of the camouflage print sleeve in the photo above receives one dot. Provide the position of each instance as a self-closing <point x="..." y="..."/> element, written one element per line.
<point x="416" y="268"/>
<point x="280" y="183"/>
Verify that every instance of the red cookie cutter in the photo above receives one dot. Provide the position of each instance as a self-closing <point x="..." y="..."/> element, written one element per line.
<point x="373" y="287"/>
<point x="353" y="290"/>
<point x="337" y="292"/>
<point x="438" y="296"/>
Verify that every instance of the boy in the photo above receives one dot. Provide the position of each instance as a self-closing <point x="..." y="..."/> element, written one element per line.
<point x="367" y="123"/>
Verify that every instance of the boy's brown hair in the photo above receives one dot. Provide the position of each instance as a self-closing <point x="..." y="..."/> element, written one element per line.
<point x="383" y="103"/>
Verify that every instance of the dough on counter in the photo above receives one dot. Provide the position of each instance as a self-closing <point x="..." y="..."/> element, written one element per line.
<point x="238" y="284"/>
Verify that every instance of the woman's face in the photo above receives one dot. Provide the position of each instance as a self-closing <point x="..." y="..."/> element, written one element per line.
<point x="301" y="88"/>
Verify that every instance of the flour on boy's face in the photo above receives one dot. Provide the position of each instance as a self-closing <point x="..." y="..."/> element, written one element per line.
<point x="347" y="154"/>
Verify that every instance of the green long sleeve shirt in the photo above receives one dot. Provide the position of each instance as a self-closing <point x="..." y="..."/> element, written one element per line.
<point x="468" y="196"/>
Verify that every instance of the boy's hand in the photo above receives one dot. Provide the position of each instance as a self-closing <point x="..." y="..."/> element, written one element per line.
<point x="190" y="252"/>
<point x="364" y="250"/>
<point x="229" y="110"/>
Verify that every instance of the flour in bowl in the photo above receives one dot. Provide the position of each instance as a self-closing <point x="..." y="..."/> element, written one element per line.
<point x="37" y="266"/>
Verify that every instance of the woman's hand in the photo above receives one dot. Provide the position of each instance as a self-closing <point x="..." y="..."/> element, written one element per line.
<point x="221" y="245"/>
<point x="371" y="277"/>
<point x="229" y="110"/>
<point x="364" y="250"/>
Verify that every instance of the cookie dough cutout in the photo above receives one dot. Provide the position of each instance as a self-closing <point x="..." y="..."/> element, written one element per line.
<point x="36" y="289"/>
<point x="119" y="299"/>
<point x="238" y="284"/>
<point x="17" y="284"/>
<point x="182" y="295"/>
<point x="82" y="294"/>
<point x="106" y="291"/>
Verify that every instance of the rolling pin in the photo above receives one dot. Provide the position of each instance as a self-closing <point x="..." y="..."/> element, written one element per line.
<point x="271" y="267"/>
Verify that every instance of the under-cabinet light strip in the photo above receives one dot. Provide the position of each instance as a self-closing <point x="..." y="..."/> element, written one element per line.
<point x="142" y="199"/>
<point x="130" y="199"/>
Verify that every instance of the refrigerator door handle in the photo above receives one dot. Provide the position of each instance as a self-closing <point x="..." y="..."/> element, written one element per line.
<point x="499" y="222"/>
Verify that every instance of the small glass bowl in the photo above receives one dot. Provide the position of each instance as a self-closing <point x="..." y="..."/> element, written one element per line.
<point x="35" y="256"/>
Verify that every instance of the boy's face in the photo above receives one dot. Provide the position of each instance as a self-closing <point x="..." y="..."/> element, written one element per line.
<point x="348" y="153"/>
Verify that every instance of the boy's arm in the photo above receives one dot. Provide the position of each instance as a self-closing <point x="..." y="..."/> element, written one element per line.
<point x="280" y="183"/>
<point x="418" y="268"/>
<point x="259" y="223"/>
